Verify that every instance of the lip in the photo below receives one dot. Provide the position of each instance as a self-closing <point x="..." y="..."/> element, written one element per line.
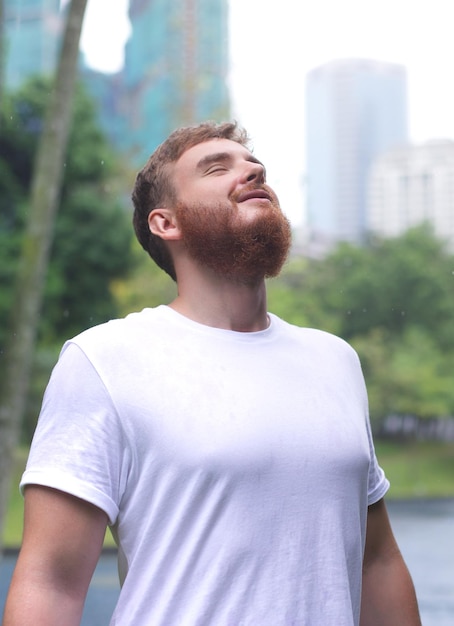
<point x="254" y="194"/>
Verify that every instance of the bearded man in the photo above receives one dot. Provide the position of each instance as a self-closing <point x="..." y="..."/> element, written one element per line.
<point x="229" y="451"/>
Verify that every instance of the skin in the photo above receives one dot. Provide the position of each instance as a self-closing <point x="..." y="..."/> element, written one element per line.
<point x="203" y="295"/>
<point x="55" y="567"/>
<point x="63" y="538"/>
<point x="388" y="595"/>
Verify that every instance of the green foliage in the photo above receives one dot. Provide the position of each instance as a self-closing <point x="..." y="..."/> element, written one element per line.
<point x="147" y="286"/>
<point x="418" y="469"/>
<point x="44" y="360"/>
<point x="92" y="247"/>
<point x="93" y="234"/>
<point x="407" y="376"/>
<point x="92" y="244"/>
<point x="375" y="352"/>
<point x="422" y="376"/>
<point x="297" y="296"/>
<point x="394" y="301"/>
<point x="389" y="284"/>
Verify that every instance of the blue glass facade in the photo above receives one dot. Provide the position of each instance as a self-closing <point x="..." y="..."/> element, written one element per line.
<point x="176" y="66"/>
<point x="175" y="70"/>
<point x="355" y="110"/>
<point x="32" y="34"/>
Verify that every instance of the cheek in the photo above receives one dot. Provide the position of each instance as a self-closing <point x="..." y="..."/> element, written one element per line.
<point x="212" y="194"/>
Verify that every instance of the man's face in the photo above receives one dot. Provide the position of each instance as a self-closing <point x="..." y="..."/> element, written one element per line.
<point x="230" y="219"/>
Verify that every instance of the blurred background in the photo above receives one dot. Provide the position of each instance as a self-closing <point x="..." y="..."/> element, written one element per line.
<point x="348" y="104"/>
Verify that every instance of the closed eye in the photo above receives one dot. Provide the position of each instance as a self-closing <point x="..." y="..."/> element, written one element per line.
<point x="216" y="169"/>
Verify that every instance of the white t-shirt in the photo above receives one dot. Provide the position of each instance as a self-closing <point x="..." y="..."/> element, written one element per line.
<point x="235" y="468"/>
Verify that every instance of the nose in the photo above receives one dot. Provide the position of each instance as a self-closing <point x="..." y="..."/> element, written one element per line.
<point x="254" y="172"/>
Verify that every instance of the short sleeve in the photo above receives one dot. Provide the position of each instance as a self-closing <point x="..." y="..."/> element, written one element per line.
<point x="79" y="446"/>
<point x="378" y="483"/>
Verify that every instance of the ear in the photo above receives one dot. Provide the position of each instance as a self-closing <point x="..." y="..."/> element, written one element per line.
<point x="162" y="222"/>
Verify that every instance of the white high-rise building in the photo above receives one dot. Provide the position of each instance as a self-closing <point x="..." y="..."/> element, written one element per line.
<point x="411" y="185"/>
<point x="355" y="110"/>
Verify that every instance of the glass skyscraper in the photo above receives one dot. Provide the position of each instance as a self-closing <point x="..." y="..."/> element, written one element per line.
<point x="33" y="31"/>
<point x="175" y="70"/>
<point x="355" y="110"/>
<point x="176" y="66"/>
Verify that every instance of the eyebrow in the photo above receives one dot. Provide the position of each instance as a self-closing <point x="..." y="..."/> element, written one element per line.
<point x="222" y="157"/>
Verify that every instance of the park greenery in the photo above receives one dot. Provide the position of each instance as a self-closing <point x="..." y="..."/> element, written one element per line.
<point x="392" y="299"/>
<point x="35" y="240"/>
<point x="92" y="244"/>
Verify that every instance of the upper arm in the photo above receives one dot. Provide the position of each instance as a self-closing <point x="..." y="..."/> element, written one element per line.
<point x="63" y="538"/>
<point x="380" y="542"/>
<point x="388" y="595"/>
<point x="63" y="533"/>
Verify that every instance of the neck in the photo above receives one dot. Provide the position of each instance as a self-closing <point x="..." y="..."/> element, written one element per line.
<point x="210" y="300"/>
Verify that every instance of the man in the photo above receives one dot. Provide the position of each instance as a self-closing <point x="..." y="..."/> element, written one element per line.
<point x="229" y="451"/>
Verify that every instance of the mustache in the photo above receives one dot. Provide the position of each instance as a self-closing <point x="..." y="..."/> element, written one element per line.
<point x="248" y="191"/>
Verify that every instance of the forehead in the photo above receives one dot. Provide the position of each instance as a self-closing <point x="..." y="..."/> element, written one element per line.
<point x="195" y="157"/>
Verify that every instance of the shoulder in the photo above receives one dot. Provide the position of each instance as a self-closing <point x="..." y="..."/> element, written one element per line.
<point x="118" y="341"/>
<point x="314" y="337"/>
<point x="119" y="331"/>
<point x="325" y="351"/>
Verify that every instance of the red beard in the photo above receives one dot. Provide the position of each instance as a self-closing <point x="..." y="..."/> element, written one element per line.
<point x="239" y="250"/>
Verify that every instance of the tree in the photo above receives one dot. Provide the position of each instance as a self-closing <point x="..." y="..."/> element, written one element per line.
<point x="36" y="247"/>
<point x="92" y="189"/>
<point x="147" y="286"/>
<point x="2" y="51"/>
<point x="409" y="377"/>
<point x="390" y="284"/>
<point x="83" y="263"/>
<point x="422" y="374"/>
<point x="394" y="301"/>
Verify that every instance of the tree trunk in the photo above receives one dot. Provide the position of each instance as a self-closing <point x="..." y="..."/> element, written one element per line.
<point x="2" y="53"/>
<point x="44" y="200"/>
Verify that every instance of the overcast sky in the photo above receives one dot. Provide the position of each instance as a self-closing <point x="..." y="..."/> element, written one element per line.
<point x="274" y="43"/>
